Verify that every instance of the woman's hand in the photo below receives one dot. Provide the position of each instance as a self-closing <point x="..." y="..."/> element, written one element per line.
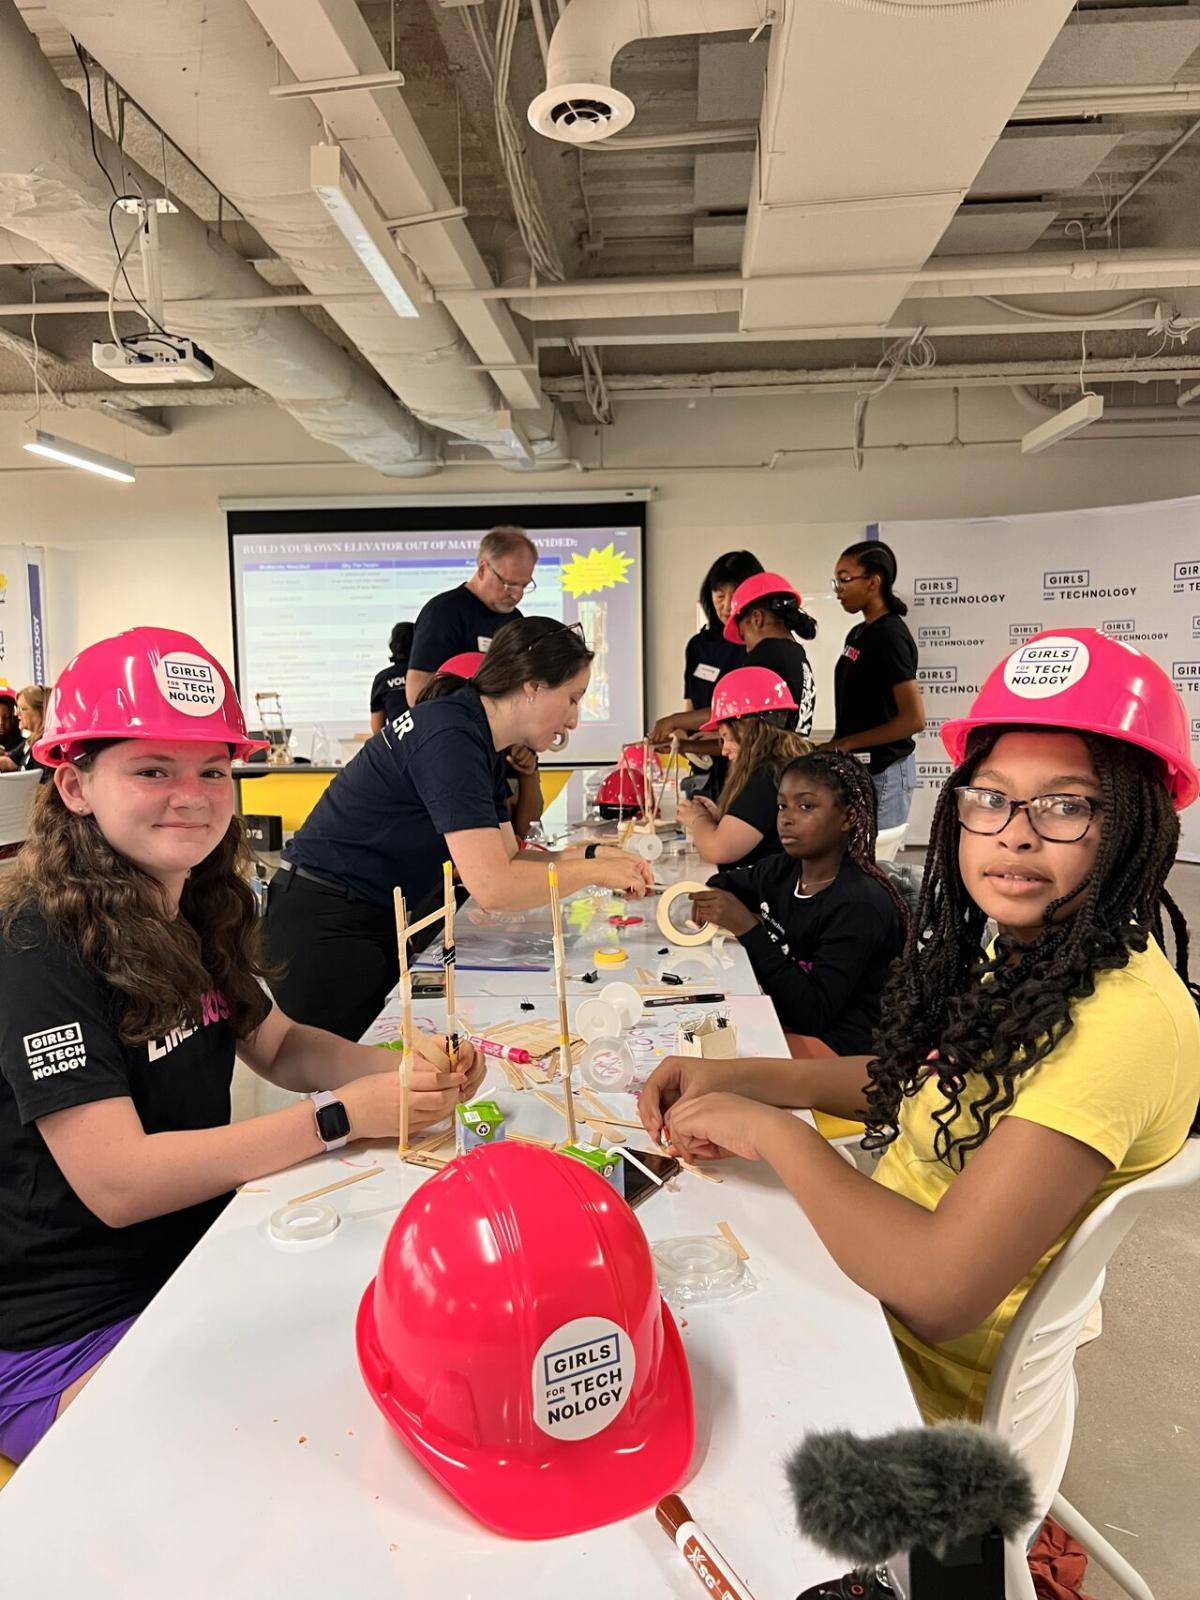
<point x="721" y="909"/>
<point x="679" y="1078"/>
<point x="706" y="1127"/>
<point x="523" y="760"/>
<point x="373" y="1103"/>
<point x="699" y="809"/>
<point x="624" y="873"/>
<point x="662" y="730"/>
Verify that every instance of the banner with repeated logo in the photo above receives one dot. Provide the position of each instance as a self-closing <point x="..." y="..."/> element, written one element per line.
<point x="22" y="615"/>
<point x="979" y="587"/>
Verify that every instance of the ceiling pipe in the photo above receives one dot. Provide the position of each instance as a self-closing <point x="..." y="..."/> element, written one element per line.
<point x="579" y="104"/>
<point x="53" y="192"/>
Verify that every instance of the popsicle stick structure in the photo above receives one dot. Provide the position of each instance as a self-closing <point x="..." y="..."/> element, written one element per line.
<point x="448" y="961"/>
<point x="403" y="933"/>
<point x="560" y="993"/>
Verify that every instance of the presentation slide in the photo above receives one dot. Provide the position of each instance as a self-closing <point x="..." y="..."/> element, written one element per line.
<point x="313" y="611"/>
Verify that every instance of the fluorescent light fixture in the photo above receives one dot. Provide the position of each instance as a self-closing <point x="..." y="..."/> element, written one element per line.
<point x="1067" y="422"/>
<point x="360" y="221"/>
<point x="515" y="437"/>
<point x="362" y="80"/>
<point x="78" y="455"/>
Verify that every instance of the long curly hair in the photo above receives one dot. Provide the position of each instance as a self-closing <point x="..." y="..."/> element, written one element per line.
<point x="849" y="782"/>
<point x="110" y="914"/>
<point x="998" y="1015"/>
<point x="765" y="740"/>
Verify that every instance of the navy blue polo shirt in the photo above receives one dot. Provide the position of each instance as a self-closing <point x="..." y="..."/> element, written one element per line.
<point x="452" y="623"/>
<point x="381" y="824"/>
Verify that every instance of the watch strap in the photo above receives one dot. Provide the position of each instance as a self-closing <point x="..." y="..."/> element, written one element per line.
<point x="320" y="1099"/>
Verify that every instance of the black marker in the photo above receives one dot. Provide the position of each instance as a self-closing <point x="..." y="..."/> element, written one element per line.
<point x="684" y="999"/>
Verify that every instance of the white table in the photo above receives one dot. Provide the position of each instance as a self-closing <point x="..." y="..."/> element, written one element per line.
<point x="230" y="1449"/>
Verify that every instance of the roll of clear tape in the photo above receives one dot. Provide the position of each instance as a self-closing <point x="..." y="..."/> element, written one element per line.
<point x="700" y="1267"/>
<point x="674" y="917"/>
<point x="598" y="1018"/>
<point x="607" y="1064"/>
<point x="647" y="845"/>
<point x="302" y="1224"/>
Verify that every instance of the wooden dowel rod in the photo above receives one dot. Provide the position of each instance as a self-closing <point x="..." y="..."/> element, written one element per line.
<point x="406" y="1022"/>
<point x="560" y="992"/>
<point x="342" y="1183"/>
<point x="448" y="958"/>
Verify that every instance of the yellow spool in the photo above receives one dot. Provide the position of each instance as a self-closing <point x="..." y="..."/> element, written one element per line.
<point x="609" y="958"/>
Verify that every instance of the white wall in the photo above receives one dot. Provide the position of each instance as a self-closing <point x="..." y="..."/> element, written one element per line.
<point x="155" y="551"/>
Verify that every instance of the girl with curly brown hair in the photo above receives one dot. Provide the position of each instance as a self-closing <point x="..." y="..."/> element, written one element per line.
<point x="1015" y="1084"/>
<point x="130" y="975"/>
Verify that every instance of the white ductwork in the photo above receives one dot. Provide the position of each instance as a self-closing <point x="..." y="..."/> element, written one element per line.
<point x="579" y="104"/>
<point x="53" y="193"/>
<point x="203" y="69"/>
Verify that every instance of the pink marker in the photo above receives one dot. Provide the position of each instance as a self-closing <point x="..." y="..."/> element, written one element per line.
<point x="506" y="1052"/>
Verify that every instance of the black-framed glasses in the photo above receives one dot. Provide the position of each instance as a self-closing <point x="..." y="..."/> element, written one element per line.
<point x="513" y="588"/>
<point x="841" y="583"/>
<point x="1059" y="818"/>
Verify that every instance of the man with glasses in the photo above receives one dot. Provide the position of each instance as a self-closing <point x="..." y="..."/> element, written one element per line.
<point x="467" y="617"/>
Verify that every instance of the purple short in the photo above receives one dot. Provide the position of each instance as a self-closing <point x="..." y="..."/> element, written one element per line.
<point x="32" y="1383"/>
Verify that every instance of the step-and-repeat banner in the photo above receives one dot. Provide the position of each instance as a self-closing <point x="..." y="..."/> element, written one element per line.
<point x="22" y="615"/>
<point x="979" y="587"/>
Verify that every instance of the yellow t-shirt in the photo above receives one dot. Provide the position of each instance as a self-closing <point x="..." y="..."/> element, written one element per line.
<point x="1125" y="1081"/>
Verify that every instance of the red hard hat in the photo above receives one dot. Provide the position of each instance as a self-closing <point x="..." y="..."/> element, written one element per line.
<point x="633" y="757"/>
<point x="746" y="691"/>
<point x="149" y="683"/>
<point x="621" y="791"/>
<point x="464" y="665"/>
<point x="516" y="1340"/>
<point x="6" y="693"/>
<point x="751" y="593"/>
<point x="1081" y="680"/>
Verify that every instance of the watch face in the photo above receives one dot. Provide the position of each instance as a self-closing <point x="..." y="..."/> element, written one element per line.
<point x="332" y="1122"/>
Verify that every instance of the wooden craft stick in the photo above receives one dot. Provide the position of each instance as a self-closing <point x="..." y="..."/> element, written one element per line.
<point x="448" y="961"/>
<point x="606" y="1131"/>
<point x="342" y="1183"/>
<point x="423" y="1158"/>
<point x="676" y="764"/>
<point x="589" y="1100"/>
<point x="647" y="783"/>
<point x="406" y="1019"/>
<point x="426" y="922"/>
<point x="730" y="1237"/>
<point x="549" y="1100"/>
<point x="531" y="1138"/>
<point x="709" y="1178"/>
<point x="560" y="992"/>
<point x="616" y="1122"/>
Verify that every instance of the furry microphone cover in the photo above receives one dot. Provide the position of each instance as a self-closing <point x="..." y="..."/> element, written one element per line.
<point x="864" y="1500"/>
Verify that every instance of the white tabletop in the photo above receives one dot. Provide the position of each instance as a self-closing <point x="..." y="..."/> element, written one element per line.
<point x="230" y="1448"/>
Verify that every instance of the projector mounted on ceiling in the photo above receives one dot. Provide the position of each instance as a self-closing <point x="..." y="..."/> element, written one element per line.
<point x="152" y="358"/>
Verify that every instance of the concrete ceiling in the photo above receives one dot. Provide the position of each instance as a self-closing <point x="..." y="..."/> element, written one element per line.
<point x="1047" y="186"/>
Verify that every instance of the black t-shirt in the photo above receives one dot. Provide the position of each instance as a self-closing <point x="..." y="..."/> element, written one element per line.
<point x="758" y="805"/>
<point x="789" y="661"/>
<point x="63" y="1272"/>
<point x="823" y="960"/>
<point x="380" y="824"/>
<point x="387" y="691"/>
<point x="707" y="658"/>
<point x="14" y="745"/>
<point x="876" y="657"/>
<point x="453" y="622"/>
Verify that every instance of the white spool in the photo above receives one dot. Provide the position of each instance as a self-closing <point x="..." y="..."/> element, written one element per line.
<point x="596" y="1018"/>
<point x="607" y="1065"/>
<point x="302" y="1224"/>
<point x="626" y="999"/>
<point x="675" y="920"/>
<point x="647" y="845"/>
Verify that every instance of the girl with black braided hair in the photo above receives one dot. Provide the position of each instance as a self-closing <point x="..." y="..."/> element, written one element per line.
<point x="818" y="919"/>
<point x="1013" y="1087"/>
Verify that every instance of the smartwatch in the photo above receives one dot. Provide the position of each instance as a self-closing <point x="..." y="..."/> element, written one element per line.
<point x="589" y="852"/>
<point x="333" y="1124"/>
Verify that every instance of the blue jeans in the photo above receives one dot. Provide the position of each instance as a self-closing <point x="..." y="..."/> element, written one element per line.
<point x="894" y="789"/>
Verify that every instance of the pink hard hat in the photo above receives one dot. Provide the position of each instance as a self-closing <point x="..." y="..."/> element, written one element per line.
<point x="1081" y="680"/>
<point x="149" y="683"/>
<point x="745" y="692"/>
<point x="8" y="693"/>
<point x="464" y="665"/>
<point x="751" y="593"/>
<point x="633" y="758"/>
<point x="516" y="1340"/>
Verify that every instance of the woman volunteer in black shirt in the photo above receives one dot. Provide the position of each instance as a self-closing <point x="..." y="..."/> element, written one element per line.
<point x="388" y="697"/>
<point x="756" y="716"/>
<point x="877" y="698"/>
<point x="708" y="655"/>
<point x="821" y="935"/>
<point x="129" y="975"/>
<point x="766" y="617"/>
<point x="427" y="787"/>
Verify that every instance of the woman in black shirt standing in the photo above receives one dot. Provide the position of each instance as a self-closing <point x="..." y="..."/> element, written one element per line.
<point x="767" y="616"/>
<point x="709" y="655"/>
<point x="389" y="698"/>
<point x="756" y="717"/>
<point x="877" y="698"/>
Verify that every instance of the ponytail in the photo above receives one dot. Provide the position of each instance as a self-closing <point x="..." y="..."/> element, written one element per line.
<point x="878" y="560"/>
<point x="784" y="608"/>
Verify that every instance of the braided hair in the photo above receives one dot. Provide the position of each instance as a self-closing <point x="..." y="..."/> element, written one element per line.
<point x="937" y="1000"/>
<point x="784" y="609"/>
<point x="849" y="782"/>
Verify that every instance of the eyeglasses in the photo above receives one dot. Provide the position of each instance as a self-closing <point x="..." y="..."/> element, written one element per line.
<point x="570" y="627"/>
<point x="841" y="583"/>
<point x="1059" y="818"/>
<point x="513" y="588"/>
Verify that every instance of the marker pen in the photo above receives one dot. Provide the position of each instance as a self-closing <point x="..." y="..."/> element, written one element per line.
<point x="698" y="1550"/>
<point x="504" y="1052"/>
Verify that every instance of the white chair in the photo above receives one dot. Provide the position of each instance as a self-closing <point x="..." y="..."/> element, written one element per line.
<point x="1032" y="1395"/>
<point x="889" y="842"/>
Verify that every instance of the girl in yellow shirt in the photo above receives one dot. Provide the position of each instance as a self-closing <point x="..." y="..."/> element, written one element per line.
<point x="1015" y="1085"/>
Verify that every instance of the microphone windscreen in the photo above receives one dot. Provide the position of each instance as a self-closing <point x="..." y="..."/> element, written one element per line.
<point x="864" y="1500"/>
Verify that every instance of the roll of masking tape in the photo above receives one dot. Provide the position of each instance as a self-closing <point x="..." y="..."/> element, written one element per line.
<point x="675" y="921"/>
<point x="559" y="742"/>
<point x="303" y="1224"/>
